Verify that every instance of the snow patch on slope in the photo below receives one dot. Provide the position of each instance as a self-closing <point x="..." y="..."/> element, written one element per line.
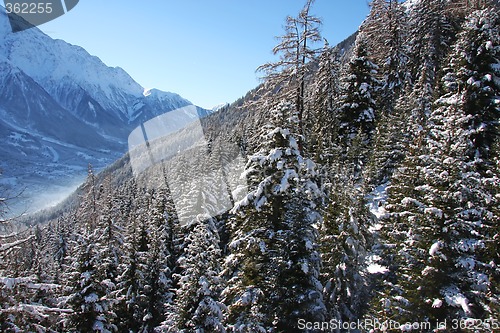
<point x="377" y="200"/>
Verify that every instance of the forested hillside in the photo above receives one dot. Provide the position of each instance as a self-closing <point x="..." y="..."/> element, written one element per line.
<point x="373" y="199"/>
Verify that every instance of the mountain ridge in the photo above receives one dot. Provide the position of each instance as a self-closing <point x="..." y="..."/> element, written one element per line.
<point x="63" y="108"/>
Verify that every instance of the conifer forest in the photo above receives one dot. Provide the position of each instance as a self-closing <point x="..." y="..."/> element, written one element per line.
<point x="372" y="200"/>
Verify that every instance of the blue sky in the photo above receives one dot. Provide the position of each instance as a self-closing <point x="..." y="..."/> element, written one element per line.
<point x="205" y="50"/>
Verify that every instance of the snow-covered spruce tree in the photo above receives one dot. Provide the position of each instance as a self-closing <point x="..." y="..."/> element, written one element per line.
<point x="196" y="304"/>
<point x="128" y="297"/>
<point x="59" y="247"/>
<point x="398" y="235"/>
<point x="88" y="292"/>
<point x="88" y="210"/>
<point x="158" y="274"/>
<point x="492" y="246"/>
<point x="451" y="209"/>
<point x="471" y="94"/>
<point x="474" y="74"/>
<point x="38" y="256"/>
<point x="360" y="87"/>
<point x="385" y="29"/>
<point x="131" y="296"/>
<point x="109" y="238"/>
<point x="320" y="122"/>
<point x="389" y="148"/>
<point x="87" y="295"/>
<point x="343" y="243"/>
<point x="430" y="34"/>
<point x="144" y="286"/>
<point x="102" y="239"/>
<point x="274" y="261"/>
<point x="357" y="113"/>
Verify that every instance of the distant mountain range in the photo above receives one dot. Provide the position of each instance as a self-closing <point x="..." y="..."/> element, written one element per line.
<point x="61" y="109"/>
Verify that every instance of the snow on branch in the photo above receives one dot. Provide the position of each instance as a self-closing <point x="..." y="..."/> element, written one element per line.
<point x="8" y="246"/>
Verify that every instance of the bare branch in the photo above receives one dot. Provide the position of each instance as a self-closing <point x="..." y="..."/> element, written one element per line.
<point x="4" y="207"/>
<point x="9" y="246"/>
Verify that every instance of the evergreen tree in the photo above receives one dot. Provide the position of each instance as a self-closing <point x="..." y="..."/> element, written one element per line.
<point x="344" y="242"/>
<point x="61" y="236"/>
<point x="385" y="29"/>
<point x="431" y="32"/>
<point x="321" y="120"/>
<point x="398" y="235"/>
<point x="274" y="261"/>
<point x="443" y="212"/>
<point x="128" y="307"/>
<point x="144" y="286"/>
<point x="361" y="85"/>
<point x="158" y="265"/>
<point x="196" y="304"/>
<point x="88" y="295"/>
<point x="389" y="147"/>
<point x="92" y="311"/>
<point x="471" y="90"/>
<point x="110" y="239"/>
<point x="357" y="113"/>
<point x="131" y="298"/>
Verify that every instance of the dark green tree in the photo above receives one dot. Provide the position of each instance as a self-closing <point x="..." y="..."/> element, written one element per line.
<point x="274" y="264"/>
<point x="196" y="304"/>
<point x="344" y="241"/>
<point x="443" y="203"/>
<point x="358" y="108"/>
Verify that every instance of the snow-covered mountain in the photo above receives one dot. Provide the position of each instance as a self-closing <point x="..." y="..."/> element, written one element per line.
<point x="62" y="108"/>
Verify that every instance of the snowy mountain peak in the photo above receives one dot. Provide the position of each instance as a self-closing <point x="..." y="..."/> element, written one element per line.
<point x="57" y="65"/>
<point x="69" y="108"/>
<point x="163" y="95"/>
